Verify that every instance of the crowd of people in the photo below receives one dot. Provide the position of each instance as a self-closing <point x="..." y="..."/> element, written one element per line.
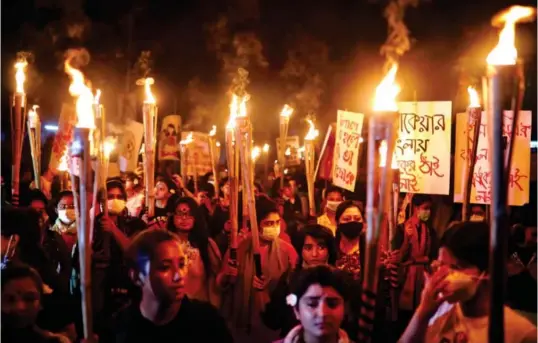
<point x="171" y="276"/>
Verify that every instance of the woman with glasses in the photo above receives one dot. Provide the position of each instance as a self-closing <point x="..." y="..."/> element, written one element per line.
<point x="203" y="254"/>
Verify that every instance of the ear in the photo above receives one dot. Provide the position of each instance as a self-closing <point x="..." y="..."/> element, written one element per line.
<point x="296" y="313"/>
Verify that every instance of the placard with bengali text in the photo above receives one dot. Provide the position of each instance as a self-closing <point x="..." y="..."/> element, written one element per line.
<point x="346" y="151"/>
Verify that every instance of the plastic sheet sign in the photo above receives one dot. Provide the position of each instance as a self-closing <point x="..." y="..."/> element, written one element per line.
<point x="346" y="153"/>
<point x="422" y="149"/>
<point x="198" y="155"/>
<point x="519" y="180"/>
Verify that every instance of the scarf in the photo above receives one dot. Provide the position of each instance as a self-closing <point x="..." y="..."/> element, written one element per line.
<point x="246" y="303"/>
<point x="61" y="228"/>
<point x="296" y="336"/>
<point x="414" y="246"/>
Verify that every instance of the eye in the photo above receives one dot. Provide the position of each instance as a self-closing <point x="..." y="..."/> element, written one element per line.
<point x="312" y="303"/>
<point x="333" y="303"/>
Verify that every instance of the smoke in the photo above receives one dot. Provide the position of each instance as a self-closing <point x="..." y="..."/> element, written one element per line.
<point x="143" y="65"/>
<point x="238" y="52"/>
<point x="202" y="106"/>
<point x="398" y="41"/>
<point x="303" y="73"/>
<point x="77" y="58"/>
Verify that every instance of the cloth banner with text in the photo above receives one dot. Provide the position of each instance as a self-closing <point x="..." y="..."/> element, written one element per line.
<point x="292" y="150"/>
<point x="519" y="179"/>
<point x="422" y="150"/>
<point x="346" y="152"/>
<point x="198" y="154"/>
<point x="169" y="138"/>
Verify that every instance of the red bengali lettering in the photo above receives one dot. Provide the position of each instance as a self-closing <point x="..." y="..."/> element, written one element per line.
<point x="429" y="167"/>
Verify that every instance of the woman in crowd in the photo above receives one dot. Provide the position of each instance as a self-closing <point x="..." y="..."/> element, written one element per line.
<point x="318" y="300"/>
<point x="245" y="294"/>
<point x="66" y="224"/>
<point x="135" y="194"/>
<point x="317" y="248"/>
<point x="350" y="240"/>
<point x="165" y="313"/>
<point x="204" y="258"/>
<point x="334" y="196"/>
<point x="165" y="196"/>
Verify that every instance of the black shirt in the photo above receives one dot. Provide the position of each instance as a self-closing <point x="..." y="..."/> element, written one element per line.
<point x="196" y="321"/>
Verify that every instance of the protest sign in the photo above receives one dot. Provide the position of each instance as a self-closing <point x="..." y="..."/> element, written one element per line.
<point x="346" y="153"/>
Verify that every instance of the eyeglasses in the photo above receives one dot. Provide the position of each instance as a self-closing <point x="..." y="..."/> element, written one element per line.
<point x="183" y="215"/>
<point x="66" y="207"/>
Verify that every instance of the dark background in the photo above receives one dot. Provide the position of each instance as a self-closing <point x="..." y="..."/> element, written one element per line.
<point x="335" y="45"/>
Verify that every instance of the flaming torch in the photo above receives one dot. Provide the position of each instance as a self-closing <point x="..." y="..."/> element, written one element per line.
<point x="265" y="151"/>
<point x="63" y="169"/>
<point x="285" y="115"/>
<point x="382" y="127"/>
<point x="149" y="112"/>
<point x="85" y="124"/>
<point x="243" y="137"/>
<point x="310" y="163"/>
<point x="474" y="119"/>
<point x="503" y="88"/>
<point x="232" y="159"/>
<point x="18" y="117"/>
<point x="184" y="145"/>
<point x="212" y="148"/>
<point x="34" y="136"/>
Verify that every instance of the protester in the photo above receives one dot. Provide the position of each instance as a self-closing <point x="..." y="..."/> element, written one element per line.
<point x="165" y="313"/>
<point x="333" y="198"/>
<point x="66" y="224"/>
<point x="455" y="301"/>
<point x="318" y="299"/>
<point x="245" y="295"/>
<point x="164" y="191"/>
<point x="135" y="194"/>
<point x="350" y="240"/>
<point x="203" y="255"/>
<point x="317" y="248"/>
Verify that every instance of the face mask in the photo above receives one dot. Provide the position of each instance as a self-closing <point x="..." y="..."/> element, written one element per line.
<point x="270" y="232"/>
<point x="333" y="205"/>
<point x="461" y="286"/>
<point x="116" y="206"/>
<point x="67" y="216"/>
<point x="424" y="215"/>
<point x="351" y="229"/>
<point x="477" y="218"/>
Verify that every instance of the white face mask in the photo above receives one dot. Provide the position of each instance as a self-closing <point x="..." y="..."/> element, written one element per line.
<point x="461" y="286"/>
<point x="269" y="233"/>
<point x="116" y="206"/>
<point x="67" y="216"/>
<point x="332" y="205"/>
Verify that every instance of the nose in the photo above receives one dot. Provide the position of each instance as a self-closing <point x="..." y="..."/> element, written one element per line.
<point x="322" y="309"/>
<point x="19" y="306"/>
<point x="315" y="252"/>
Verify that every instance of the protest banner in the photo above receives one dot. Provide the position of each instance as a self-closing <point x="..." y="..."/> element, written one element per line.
<point x="519" y="180"/>
<point x="198" y="156"/>
<point x="169" y="138"/>
<point x="292" y="155"/>
<point x="129" y="140"/>
<point x="346" y="152"/>
<point x="422" y="149"/>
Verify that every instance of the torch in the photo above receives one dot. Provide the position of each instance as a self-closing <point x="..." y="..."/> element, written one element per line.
<point x="63" y="170"/>
<point x="34" y="137"/>
<point x="212" y="148"/>
<point x="265" y="150"/>
<point x="382" y="127"/>
<point x="149" y="113"/>
<point x="284" y="124"/>
<point x="232" y="159"/>
<point x="84" y="127"/>
<point x="474" y="113"/>
<point x="99" y="182"/>
<point x="503" y="88"/>
<point x="255" y="155"/>
<point x="310" y="163"/>
<point x="184" y="146"/>
<point x="18" y="117"/>
<point x="243" y="137"/>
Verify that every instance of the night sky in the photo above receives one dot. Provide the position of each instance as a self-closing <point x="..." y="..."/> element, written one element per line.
<point x="337" y="42"/>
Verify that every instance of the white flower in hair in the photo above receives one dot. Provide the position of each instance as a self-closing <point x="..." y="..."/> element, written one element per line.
<point x="291" y="300"/>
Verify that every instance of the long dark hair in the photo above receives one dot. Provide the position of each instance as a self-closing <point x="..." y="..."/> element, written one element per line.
<point x="199" y="234"/>
<point x="317" y="232"/>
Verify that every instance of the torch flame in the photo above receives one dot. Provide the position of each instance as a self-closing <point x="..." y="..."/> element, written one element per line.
<point x="218" y="144"/>
<point x="33" y="118"/>
<point x="20" y="75"/>
<point x="505" y="53"/>
<point x="213" y="131"/>
<point x="288" y="152"/>
<point x="84" y="96"/>
<point x="474" y="100"/>
<point x="255" y="153"/>
<point x="383" y="156"/>
<point x="266" y="148"/>
<point x="286" y="111"/>
<point x="386" y="92"/>
<point x="62" y="166"/>
<point x="97" y="97"/>
<point x="312" y="132"/>
<point x="238" y="108"/>
<point x="108" y="146"/>
<point x="150" y="99"/>
<point x="188" y="140"/>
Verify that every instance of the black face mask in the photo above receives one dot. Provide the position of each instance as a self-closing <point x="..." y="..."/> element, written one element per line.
<point x="351" y="230"/>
